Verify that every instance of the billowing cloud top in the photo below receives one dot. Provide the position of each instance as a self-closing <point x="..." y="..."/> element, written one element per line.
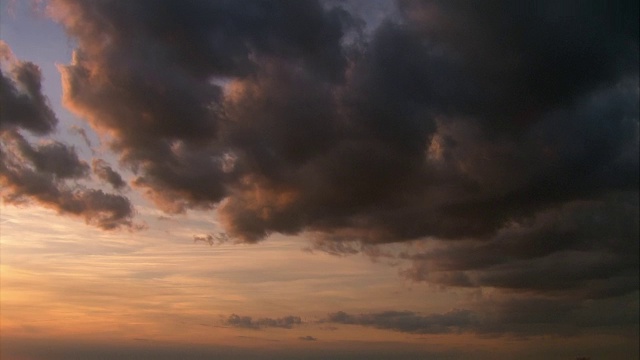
<point x="512" y="130"/>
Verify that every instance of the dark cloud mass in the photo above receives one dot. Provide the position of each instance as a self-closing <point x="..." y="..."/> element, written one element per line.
<point x="509" y="128"/>
<point x="43" y="173"/>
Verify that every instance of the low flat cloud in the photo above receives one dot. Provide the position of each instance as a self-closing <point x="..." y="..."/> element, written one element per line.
<point x="308" y="338"/>
<point x="520" y="316"/>
<point x="247" y="322"/>
<point x="407" y="321"/>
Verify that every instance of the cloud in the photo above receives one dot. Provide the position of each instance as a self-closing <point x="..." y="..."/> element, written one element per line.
<point x="508" y="137"/>
<point x="582" y="248"/>
<point x="520" y="316"/>
<point x="212" y="239"/>
<point x="54" y="158"/>
<point x="23" y="103"/>
<point x="247" y="322"/>
<point x="104" y="172"/>
<point x="83" y="134"/>
<point x="24" y="182"/>
<point x="47" y="173"/>
<point x="407" y="321"/>
<point x="308" y="338"/>
<point x="424" y="122"/>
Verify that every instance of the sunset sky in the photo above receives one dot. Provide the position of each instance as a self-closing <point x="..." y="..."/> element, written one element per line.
<point x="339" y="179"/>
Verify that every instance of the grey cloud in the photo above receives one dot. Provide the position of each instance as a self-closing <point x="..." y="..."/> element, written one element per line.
<point x="248" y="322"/>
<point x="106" y="173"/>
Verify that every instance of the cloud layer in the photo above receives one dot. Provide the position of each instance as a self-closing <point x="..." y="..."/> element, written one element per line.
<point x="516" y="317"/>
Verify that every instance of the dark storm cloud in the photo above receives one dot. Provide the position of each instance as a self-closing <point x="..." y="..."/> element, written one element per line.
<point x="248" y="322"/>
<point x="106" y="173"/>
<point x="510" y="128"/>
<point x="46" y="173"/>
<point x="511" y="62"/>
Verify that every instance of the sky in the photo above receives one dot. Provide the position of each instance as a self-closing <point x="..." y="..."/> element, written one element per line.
<point x="342" y="179"/>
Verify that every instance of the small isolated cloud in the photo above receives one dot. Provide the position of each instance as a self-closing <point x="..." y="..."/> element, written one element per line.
<point x="83" y="134"/>
<point x="212" y="239"/>
<point x="247" y="322"/>
<point x="106" y="173"/>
